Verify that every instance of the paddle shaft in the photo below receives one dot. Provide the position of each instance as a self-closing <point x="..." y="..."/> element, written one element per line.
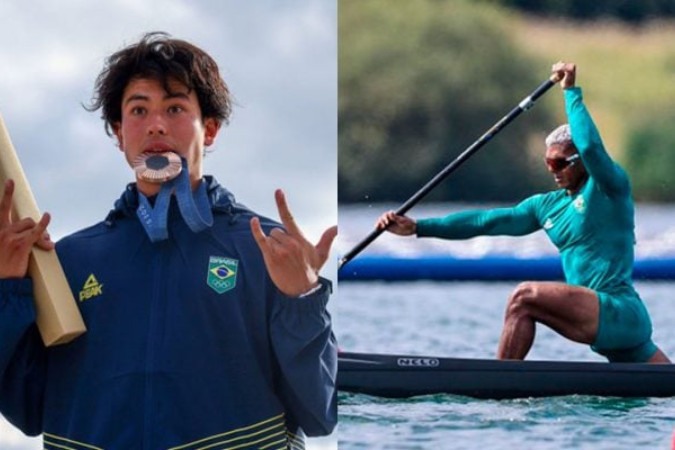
<point x="524" y="105"/>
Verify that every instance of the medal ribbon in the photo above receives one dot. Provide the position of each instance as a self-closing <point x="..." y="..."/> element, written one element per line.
<point x="194" y="207"/>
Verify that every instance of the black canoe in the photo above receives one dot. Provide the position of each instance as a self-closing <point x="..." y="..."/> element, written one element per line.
<point x="400" y="376"/>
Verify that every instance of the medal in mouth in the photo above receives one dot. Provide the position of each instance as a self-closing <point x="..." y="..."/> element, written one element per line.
<point x="157" y="167"/>
<point x="171" y="171"/>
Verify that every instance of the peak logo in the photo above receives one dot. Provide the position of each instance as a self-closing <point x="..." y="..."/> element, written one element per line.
<point x="91" y="288"/>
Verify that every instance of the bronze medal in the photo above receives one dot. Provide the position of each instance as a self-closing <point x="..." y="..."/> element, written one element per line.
<point x="157" y="167"/>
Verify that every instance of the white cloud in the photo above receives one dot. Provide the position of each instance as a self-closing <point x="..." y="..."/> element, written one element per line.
<point x="295" y="32"/>
<point x="170" y="10"/>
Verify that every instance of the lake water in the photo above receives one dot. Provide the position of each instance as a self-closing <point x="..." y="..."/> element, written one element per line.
<point x="464" y="320"/>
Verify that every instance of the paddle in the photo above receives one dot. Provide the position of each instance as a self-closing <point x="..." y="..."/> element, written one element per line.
<point x="524" y="105"/>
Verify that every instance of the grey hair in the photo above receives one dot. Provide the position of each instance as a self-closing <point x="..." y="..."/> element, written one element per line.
<point x="560" y="136"/>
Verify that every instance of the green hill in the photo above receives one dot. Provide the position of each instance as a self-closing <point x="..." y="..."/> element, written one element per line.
<point x="628" y="73"/>
<point x="419" y="80"/>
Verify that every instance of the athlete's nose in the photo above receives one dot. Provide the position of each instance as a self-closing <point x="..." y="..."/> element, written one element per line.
<point x="156" y="125"/>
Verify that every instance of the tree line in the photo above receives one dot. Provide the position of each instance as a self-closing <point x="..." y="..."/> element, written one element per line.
<point x="420" y="80"/>
<point x="631" y="11"/>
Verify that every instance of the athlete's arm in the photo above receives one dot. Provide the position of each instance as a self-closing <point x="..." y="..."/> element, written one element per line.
<point x="607" y="174"/>
<point x="306" y="351"/>
<point x="22" y="358"/>
<point x="516" y="221"/>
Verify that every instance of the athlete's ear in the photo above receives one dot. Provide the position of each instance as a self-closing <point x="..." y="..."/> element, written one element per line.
<point x="117" y="130"/>
<point x="211" y="128"/>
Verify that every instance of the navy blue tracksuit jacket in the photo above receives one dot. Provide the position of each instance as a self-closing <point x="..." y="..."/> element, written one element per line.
<point x="189" y="343"/>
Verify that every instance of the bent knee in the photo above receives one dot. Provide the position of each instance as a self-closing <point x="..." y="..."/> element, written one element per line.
<point x="522" y="297"/>
<point x="525" y="292"/>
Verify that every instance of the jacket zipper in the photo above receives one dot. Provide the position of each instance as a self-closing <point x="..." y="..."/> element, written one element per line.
<point x="158" y="290"/>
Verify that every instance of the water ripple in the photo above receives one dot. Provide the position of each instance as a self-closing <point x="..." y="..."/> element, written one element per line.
<point x="464" y="319"/>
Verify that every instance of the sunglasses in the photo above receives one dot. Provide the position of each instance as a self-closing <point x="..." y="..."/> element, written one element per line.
<point x="558" y="164"/>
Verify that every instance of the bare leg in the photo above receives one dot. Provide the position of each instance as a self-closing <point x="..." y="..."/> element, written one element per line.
<point x="517" y="337"/>
<point x="572" y="311"/>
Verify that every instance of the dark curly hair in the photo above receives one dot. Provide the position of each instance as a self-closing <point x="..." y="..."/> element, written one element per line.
<point x="160" y="57"/>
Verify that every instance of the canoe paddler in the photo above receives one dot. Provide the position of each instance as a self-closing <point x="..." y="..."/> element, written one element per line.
<point x="590" y="219"/>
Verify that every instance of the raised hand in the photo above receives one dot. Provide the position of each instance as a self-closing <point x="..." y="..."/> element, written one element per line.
<point x="291" y="260"/>
<point x="566" y="73"/>
<point x="17" y="238"/>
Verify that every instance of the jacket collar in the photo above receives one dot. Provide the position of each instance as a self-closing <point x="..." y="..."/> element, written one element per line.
<point x="221" y="200"/>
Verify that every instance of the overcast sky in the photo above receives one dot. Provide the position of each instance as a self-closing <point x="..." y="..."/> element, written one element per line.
<point x="279" y="59"/>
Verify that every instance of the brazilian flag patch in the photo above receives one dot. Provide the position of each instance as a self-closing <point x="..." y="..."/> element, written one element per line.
<point x="222" y="274"/>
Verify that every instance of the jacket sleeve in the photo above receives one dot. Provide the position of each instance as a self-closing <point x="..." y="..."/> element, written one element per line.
<point x="22" y="358"/>
<point x="607" y="174"/>
<point x="306" y="351"/>
<point x="515" y="221"/>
